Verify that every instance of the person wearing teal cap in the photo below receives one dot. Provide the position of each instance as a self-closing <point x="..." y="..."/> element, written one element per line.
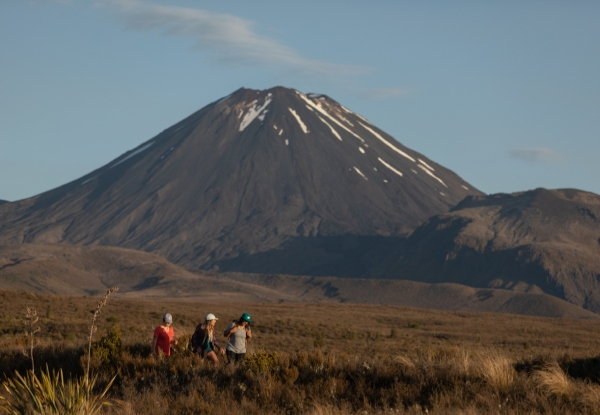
<point x="238" y="333"/>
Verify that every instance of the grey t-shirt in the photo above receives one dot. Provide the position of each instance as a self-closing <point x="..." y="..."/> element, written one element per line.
<point x="237" y="340"/>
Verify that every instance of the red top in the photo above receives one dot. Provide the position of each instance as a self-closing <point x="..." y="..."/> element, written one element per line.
<point x="164" y="337"/>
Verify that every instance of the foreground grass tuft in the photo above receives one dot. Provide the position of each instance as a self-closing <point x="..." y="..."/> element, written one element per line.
<point x="552" y="380"/>
<point x="497" y="370"/>
<point x="50" y="394"/>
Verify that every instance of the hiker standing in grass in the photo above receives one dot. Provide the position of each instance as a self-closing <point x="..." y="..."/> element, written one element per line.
<point x="238" y="333"/>
<point x="163" y="337"/>
<point x="204" y="343"/>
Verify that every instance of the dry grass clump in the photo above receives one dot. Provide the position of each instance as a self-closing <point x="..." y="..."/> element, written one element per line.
<point x="497" y="370"/>
<point x="589" y="398"/>
<point x="458" y="361"/>
<point x="552" y="380"/>
<point x="554" y="384"/>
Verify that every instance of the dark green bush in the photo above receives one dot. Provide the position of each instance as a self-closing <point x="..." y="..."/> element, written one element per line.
<point x="107" y="350"/>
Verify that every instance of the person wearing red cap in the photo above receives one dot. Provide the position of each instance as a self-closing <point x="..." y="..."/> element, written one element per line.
<point x="204" y="342"/>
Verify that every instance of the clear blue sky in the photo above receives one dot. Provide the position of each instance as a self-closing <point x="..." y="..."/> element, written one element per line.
<point x="504" y="93"/>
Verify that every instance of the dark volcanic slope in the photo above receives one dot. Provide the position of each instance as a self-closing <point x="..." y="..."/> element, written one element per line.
<point x="541" y="240"/>
<point x="245" y="175"/>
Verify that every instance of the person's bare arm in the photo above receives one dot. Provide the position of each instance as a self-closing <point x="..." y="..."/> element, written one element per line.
<point x="231" y="329"/>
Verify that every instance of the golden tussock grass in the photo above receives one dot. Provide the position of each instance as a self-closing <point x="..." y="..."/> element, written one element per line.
<point x="322" y="359"/>
<point x="496" y="369"/>
<point x="551" y="379"/>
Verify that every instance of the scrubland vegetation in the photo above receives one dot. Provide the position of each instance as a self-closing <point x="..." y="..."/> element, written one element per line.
<point x="324" y="359"/>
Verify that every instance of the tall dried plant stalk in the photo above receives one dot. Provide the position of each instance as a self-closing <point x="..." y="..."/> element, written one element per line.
<point x="93" y="328"/>
<point x="31" y="319"/>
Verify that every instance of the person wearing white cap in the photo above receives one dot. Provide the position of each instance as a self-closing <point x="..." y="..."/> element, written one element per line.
<point x="163" y="337"/>
<point x="204" y="342"/>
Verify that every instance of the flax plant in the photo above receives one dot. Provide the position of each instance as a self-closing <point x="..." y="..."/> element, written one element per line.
<point x="93" y="328"/>
<point x="51" y="394"/>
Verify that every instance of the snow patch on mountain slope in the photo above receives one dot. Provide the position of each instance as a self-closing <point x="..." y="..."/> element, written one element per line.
<point x="346" y="120"/>
<point x="426" y="165"/>
<point x="254" y="112"/>
<point x="326" y="114"/>
<point x="88" y="180"/>
<point x="362" y="118"/>
<point x="297" y="117"/>
<point x="399" y="173"/>
<point x="136" y="152"/>
<point x="180" y="127"/>
<point x="339" y="137"/>
<point x="359" y="172"/>
<point x="431" y="174"/>
<point x="387" y="143"/>
<point x="223" y="99"/>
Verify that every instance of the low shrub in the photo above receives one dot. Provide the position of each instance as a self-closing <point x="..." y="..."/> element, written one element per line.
<point x="261" y="362"/>
<point x="107" y="350"/>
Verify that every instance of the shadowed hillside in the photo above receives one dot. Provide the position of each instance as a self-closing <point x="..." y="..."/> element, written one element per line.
<point x="75" y="270"/>
<point x="538" y="241"/>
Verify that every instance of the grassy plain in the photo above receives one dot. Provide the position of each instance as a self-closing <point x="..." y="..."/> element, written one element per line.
<point x="321" y="358"/>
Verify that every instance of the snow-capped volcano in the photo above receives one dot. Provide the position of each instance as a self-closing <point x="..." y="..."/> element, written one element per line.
<point x="249" y="178"/>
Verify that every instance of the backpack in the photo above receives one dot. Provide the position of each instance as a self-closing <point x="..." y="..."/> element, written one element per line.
<point x="197" y="338"/>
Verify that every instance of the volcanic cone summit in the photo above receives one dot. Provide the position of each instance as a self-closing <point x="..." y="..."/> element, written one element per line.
<point x="246" y="176"/>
